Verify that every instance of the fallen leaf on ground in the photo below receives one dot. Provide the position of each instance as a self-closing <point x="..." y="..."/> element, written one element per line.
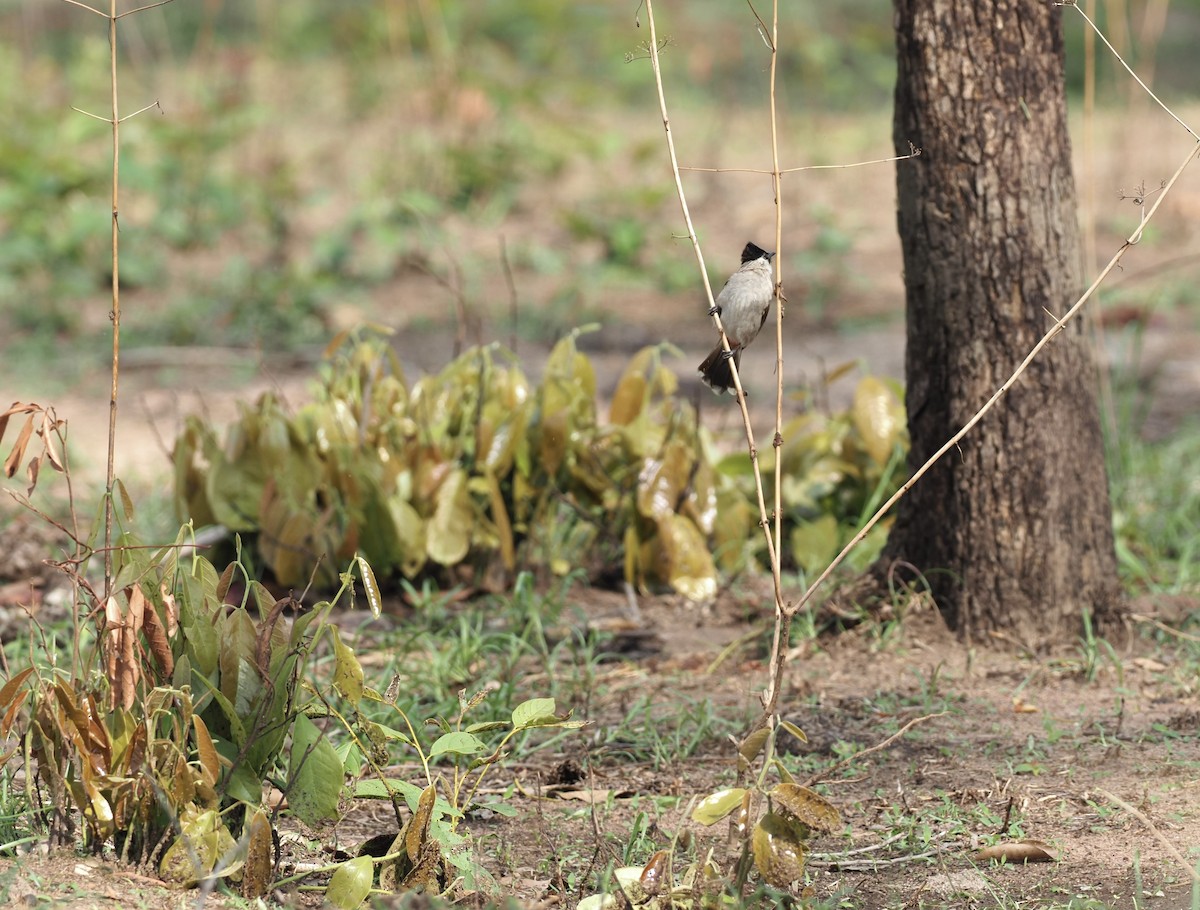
<point x="1021" y="851"/>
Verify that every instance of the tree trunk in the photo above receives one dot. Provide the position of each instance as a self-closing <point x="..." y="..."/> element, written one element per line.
<point x="1013" y="530"/>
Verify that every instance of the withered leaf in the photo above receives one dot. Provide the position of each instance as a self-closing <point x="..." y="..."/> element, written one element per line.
<point x="1022" y="851"/>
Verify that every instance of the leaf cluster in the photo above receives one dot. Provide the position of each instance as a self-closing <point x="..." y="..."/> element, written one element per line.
<point x="769" y="833"/>
<point x="838" y="466"/>
<point x="475" y="467"/>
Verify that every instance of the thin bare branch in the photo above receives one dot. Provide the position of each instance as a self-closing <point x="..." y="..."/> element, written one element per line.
<point x="142" y="9"/>
<point x="1128" y="68"/>
<point x="954" y="440"/>
<point x="768" y="35"/>
<point x="915" y="153"/>
<point x="90" y="9"/>
<point x="716" y="316"/>
<point x="79" y="110"/>
<point x="851" y="759"/>
<point x="783" y="612"/>
<point x="142" y="111"/>
<point x="728" y="170"/>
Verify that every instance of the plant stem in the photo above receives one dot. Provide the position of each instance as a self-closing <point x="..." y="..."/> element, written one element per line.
<point x="115" y="314"/>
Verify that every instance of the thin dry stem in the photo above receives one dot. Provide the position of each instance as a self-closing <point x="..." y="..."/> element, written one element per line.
<point x="783" y="612"/>
<point x="1141" y="816"/>
<point x="916" y="152"/>
<point x="999" y="393"/>
<point x="1128" y="68"/>
<point x="687" y="217"/>
<point x="833" y="769"/>
<point x="115" y="315"/>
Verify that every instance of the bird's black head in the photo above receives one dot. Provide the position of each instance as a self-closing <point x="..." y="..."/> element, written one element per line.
<point x="752" y="252"/>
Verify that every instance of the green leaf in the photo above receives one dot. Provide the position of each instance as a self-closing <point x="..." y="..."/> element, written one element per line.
<point x="815" y="543"/>
<point x="314" y="773"/>
<point x="351" y="883"/>
<point x="716" y="806"/>
<point x="529" y="712"/>
<point x="457" y="743"/>
<point x="374" y="788"/>
<point x="488" y="725"/>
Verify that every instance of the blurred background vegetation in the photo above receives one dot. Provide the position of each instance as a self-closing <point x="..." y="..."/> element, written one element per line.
<point x="309" y="155"/>
<point x="474" y="171"/>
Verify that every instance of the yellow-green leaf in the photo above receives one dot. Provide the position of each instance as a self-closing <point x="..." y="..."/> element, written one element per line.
<point x="878" y="416"/>
<point x="449" y="530"/>
<point x="718" y="805"/>
<point x="815" y="543"/>
<point x="751" y="747"/>
<point x="347" y="672"/>
<point x="684" y="559"/>
<point x="351" y="883"/>
<point x="528" y="713"/>
<point x="370" y="585"/>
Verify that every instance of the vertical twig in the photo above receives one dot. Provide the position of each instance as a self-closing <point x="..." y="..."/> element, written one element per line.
<point x="783" y="612"/>
<point x="115" y="315"/>
<point x="764" y="520"/>
<point x="513" y="310"/>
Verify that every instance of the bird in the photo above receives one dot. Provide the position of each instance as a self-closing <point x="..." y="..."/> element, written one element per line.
<point x="742" y="305"/>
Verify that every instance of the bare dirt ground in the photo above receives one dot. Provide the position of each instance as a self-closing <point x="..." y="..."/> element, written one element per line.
<point x="1023" y="745"/>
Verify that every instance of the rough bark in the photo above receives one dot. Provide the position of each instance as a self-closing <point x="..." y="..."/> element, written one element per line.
<point x="1013" y="531"/>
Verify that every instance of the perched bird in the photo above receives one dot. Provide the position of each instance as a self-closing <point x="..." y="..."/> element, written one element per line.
<point x="743" y="304"/>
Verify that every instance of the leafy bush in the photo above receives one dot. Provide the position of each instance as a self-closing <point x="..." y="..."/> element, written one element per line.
<point x="838" y="468"/>
<point x="477" y="468"/>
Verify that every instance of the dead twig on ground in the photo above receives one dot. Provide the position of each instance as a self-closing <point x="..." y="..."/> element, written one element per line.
<point x="1158" y="835"/>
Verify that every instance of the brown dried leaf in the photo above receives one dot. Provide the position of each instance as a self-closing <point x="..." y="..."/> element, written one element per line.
<point x="778" y="851"/>
<point x="225" y="581"/>
<point x="256" y="874"/>
<point x="805" y="806"/>
<point x="47" y="432"/>
<point x="10" y="689"/>
<point x="417" y="833"/>
<point x="210" y="761"/>
<point x="657" y="873"/>
<point x="1022" y="851"/>
<point x="14" y="408"/>
<point x="17" y="455"/>
<point x="156" y="638"/>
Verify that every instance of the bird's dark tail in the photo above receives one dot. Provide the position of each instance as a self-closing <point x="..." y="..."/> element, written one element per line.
<point x="716" y="373"/>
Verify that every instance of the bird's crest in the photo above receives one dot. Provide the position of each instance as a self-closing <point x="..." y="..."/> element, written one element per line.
<point x="753" y="251"/>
